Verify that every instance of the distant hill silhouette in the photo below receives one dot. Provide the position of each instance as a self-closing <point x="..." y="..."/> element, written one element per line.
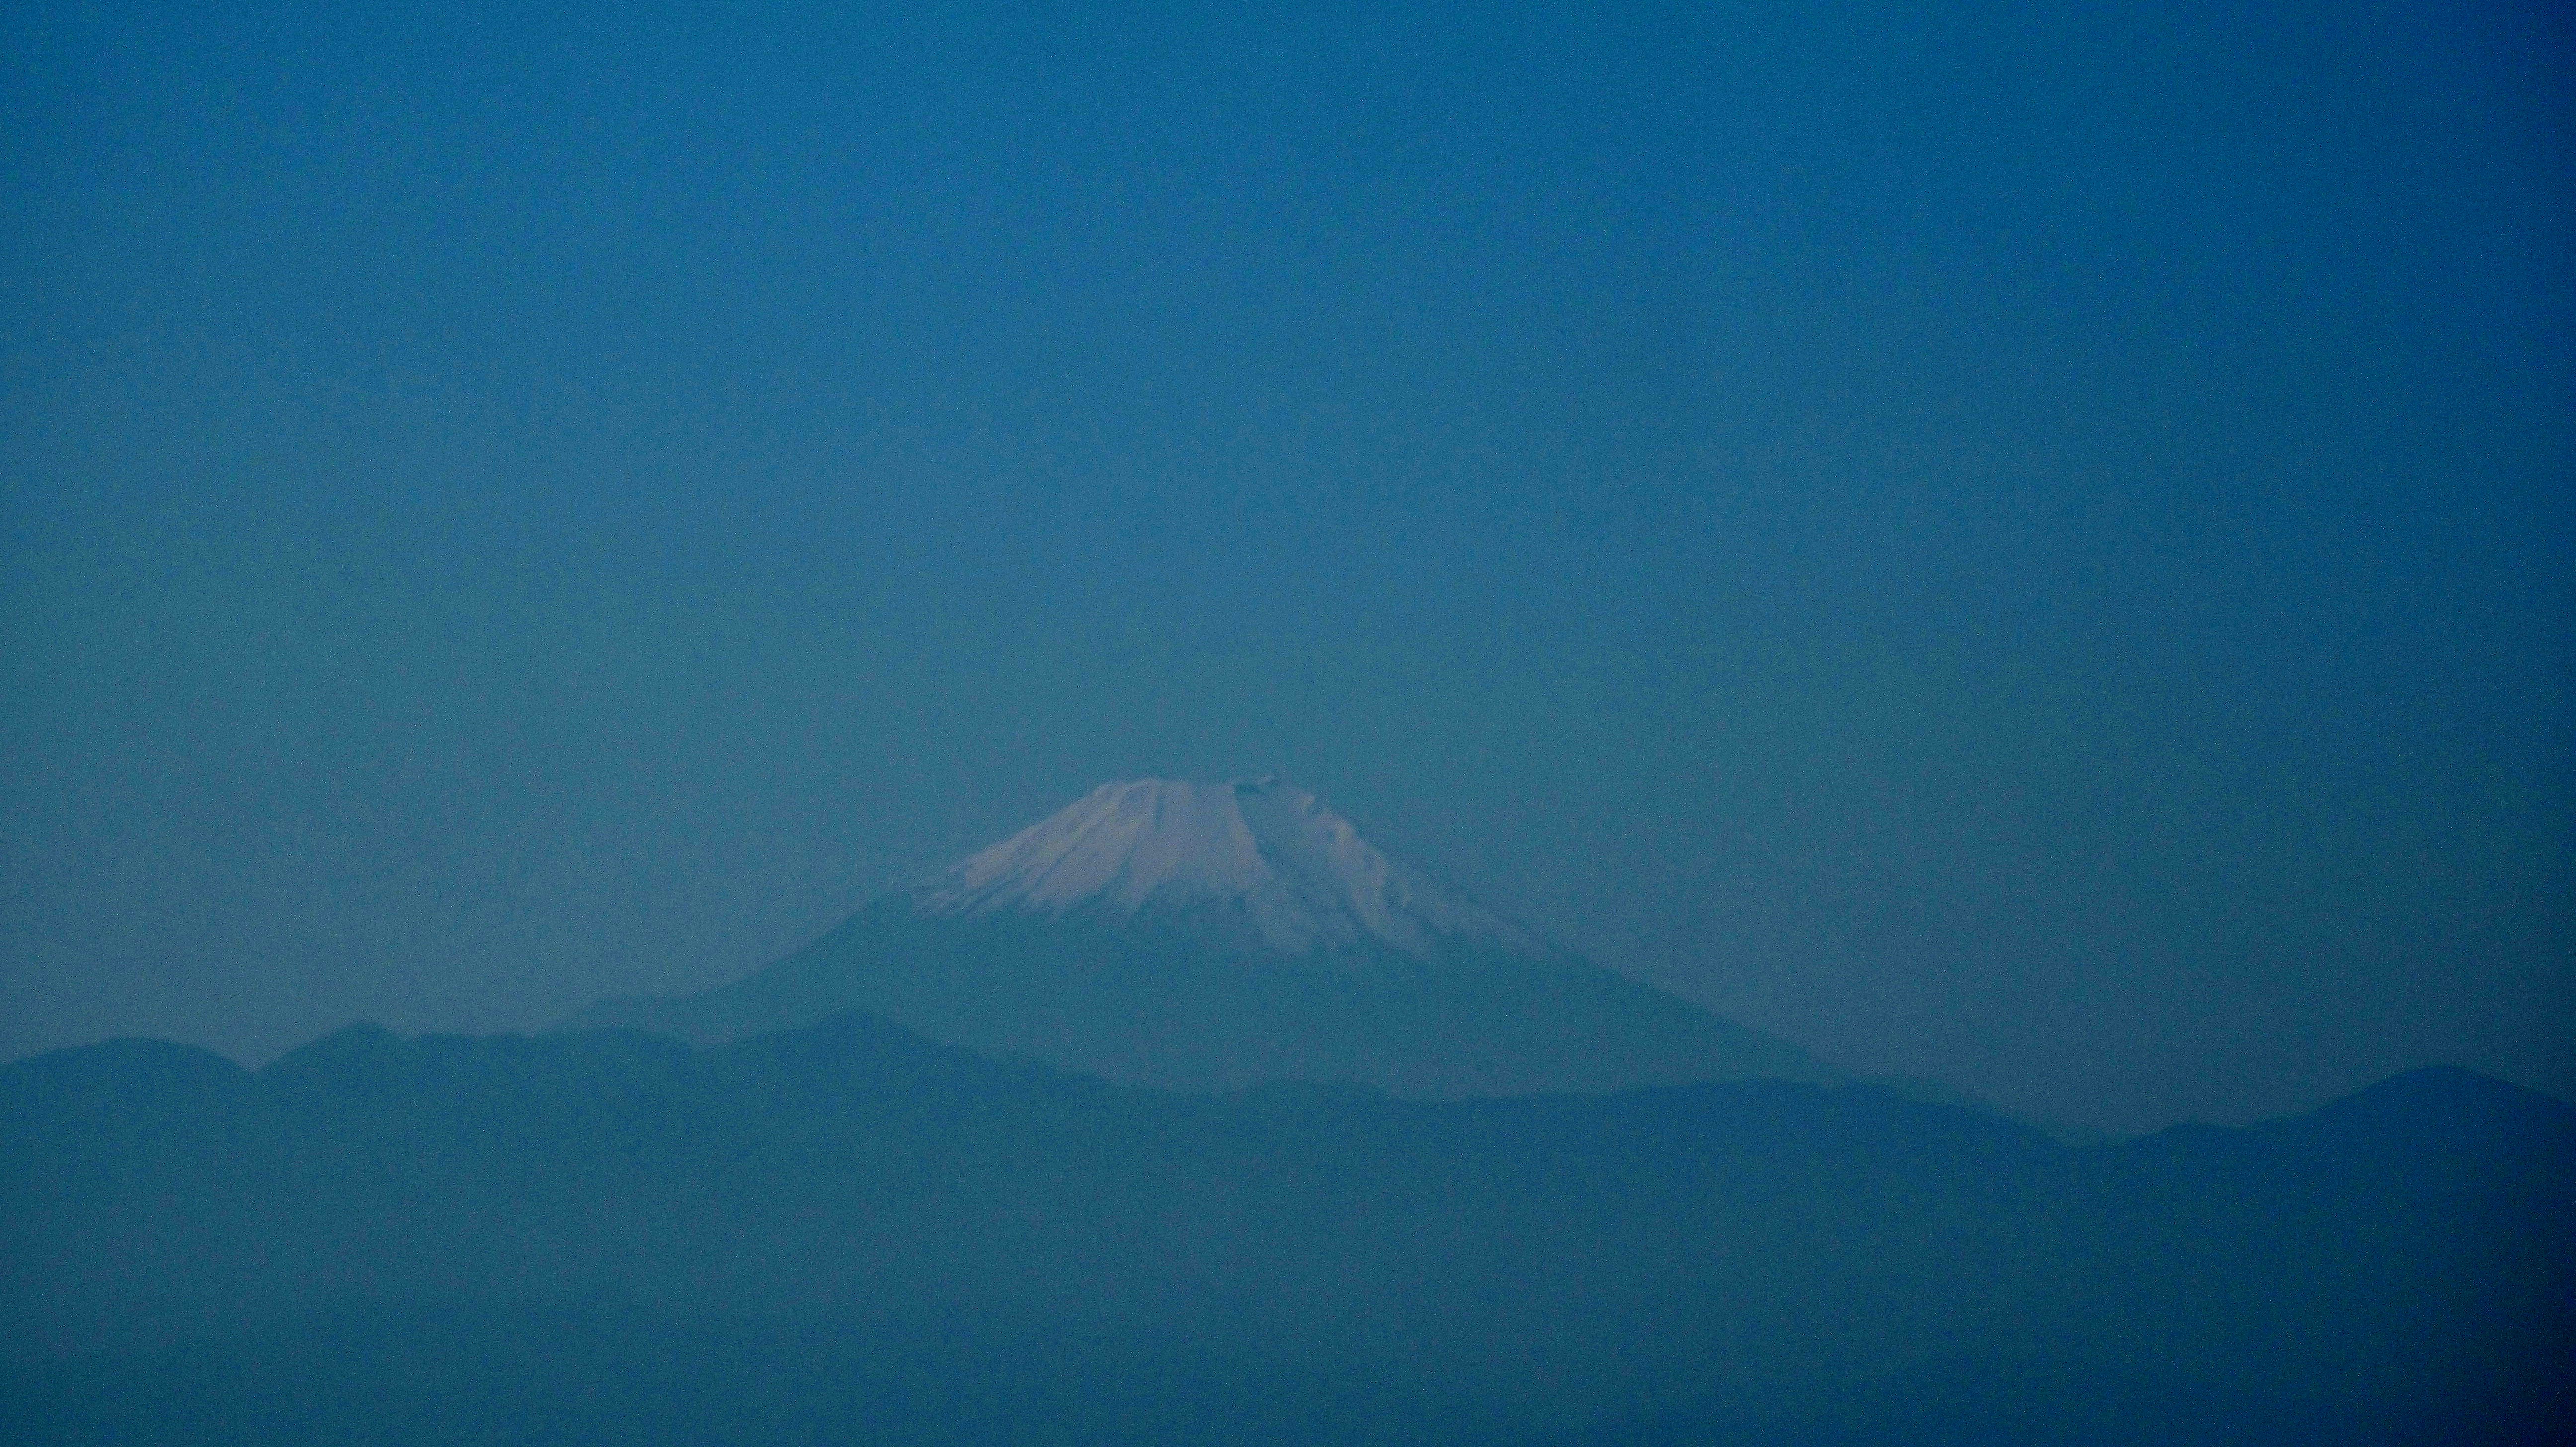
<point x="850" y="1233"/>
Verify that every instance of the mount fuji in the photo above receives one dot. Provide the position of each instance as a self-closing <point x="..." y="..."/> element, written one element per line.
<point x="1198" y="937"/>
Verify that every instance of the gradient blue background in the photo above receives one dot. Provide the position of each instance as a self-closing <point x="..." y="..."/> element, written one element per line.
<point x="2028" y="545"/>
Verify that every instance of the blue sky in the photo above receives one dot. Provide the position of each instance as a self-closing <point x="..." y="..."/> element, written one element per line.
<point x="2028" y="546"/>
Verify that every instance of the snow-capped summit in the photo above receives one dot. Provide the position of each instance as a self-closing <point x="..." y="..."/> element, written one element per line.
<point x="1300" y="874"/>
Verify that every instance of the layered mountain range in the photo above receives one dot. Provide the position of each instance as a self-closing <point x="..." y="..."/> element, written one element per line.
<point x="849" y="1234"/>
<point x="804" y="1222"/>
<point x="1193" y="936"/>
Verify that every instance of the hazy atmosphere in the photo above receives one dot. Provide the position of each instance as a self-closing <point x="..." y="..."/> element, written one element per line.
<point x="2024" y="546"/>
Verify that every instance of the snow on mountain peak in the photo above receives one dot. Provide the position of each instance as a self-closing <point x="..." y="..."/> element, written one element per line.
<point x="1299" y="871"/>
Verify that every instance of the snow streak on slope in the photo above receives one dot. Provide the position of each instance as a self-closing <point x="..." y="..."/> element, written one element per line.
<point x="1302" y="875"/>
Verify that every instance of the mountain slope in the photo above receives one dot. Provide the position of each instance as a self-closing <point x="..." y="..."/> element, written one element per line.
<point x="1197" y="937"/>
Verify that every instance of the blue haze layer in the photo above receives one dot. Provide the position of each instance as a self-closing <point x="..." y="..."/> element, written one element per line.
<point x="2028" y="550"/>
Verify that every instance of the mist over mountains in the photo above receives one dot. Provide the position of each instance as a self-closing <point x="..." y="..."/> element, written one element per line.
<point x="847" y="1233"/>
<point x="1186" y="1115"/>
<point x="2027" y="546"/>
